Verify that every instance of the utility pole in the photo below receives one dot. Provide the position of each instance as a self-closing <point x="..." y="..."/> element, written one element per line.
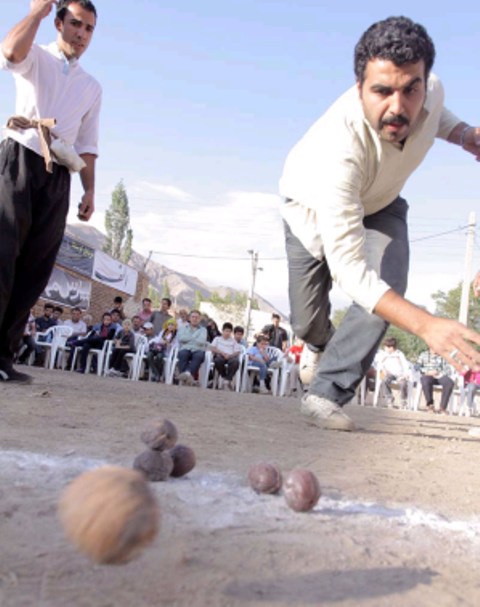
<point x="147" y="260"/>
<point x="467" y="276"/>
<point x="248" y="312"/>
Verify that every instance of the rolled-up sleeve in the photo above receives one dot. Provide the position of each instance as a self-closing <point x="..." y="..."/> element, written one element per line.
<point x="87" y="138"/>
<point x="22" y="67"/>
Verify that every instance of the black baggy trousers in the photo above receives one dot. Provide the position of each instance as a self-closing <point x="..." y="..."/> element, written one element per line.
<point x="33" y="213"/>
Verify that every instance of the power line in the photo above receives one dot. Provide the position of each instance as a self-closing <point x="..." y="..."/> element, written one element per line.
<point x="440" y="234"/>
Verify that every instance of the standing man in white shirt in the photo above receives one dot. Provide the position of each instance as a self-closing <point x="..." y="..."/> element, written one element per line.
<point x="346" y="222"/>
<point x="55" y="131"/>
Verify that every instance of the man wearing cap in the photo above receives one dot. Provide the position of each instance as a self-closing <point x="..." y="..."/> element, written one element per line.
<point x="54" y="132"/>
<point x="345" y="220"/>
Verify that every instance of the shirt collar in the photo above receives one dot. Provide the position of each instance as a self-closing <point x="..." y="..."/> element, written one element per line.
<point x="68" y="64"/>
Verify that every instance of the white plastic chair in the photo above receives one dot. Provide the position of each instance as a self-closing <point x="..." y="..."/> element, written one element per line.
<point x="237" y="378"/>
<point x="250" y="370"/>
<point x="55" y="339"/>
<point x="379" y="389"/>
<point x="134" y="359"/>
<point x="203" y="372"/>
<point x="102" y="356"/>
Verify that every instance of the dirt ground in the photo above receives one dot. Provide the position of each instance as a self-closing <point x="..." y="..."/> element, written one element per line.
<point x="397" y="524"/>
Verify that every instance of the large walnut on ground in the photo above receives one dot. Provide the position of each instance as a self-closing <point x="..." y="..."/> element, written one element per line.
<point x="160" y="435"/>
<point x="156" y="465"/>
<point x="184" y="460"/>
<point x="110" y="514"/>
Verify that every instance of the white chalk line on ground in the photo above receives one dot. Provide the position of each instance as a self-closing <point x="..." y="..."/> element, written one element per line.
<point x="218" y="500"/>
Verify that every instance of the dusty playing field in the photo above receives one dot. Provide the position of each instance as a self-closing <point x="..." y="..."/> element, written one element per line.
<point x="398" y="523"/>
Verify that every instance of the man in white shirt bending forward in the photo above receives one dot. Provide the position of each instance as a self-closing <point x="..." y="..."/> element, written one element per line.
<point x="345" y="220"/>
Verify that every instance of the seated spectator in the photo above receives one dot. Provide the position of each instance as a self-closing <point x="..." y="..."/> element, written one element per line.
<point x="88" y="320"/>
<point x="239" y="336"/>
<point x="212" y="330"/>
<point x="124" y="343"/>
<point x="293" y="357"/>
<point x="146" y="312"/>
<point x="95" y="340"/>
<point x="42" y="324"/>
<point x="137" y="325"/>
<point x="118" y="307"/>
<point x="226" y="356"/>
<point x="277" y="335"/>
<point x="435" y="372"/>
<point x="259" y="357"/>
<point x="182" y="318"/>
<point x="472" y="384"/>
<point x="192" y="340"/>
<point x="116" y="321"/>
<point x="57" y="314"/>
<point x="159" y="317"/>
<point x="393" y="367"/>
<point x="78" y="326"/>
<point x="159" y="347"/>
<point x="27" y="345"/>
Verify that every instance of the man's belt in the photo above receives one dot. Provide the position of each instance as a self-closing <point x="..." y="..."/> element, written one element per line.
<point x="43" y="125"/>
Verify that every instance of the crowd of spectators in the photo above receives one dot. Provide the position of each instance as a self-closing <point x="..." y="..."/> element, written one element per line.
<point x="190" y="332"/>
<point x="193" y="333"/>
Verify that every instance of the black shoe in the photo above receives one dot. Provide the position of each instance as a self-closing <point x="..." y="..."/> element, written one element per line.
<point x="10" y="375"/>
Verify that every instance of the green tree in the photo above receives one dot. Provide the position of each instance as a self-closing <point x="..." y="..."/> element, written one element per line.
<point x="154" y="295"/>
<point x="447" y="305"/>
<point x="166" y="290"/>
<point x="198" y="299"/>
<point x="117" y="224"/>
<point x="409" y="344"/>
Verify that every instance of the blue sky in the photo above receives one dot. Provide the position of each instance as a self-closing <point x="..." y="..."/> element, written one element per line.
<point x="202" y="102"/>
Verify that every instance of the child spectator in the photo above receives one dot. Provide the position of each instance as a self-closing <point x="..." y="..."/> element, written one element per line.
<point x="293" y="356"/>
<point x="159" y="347"/>
<point x="259" y="357"/>
<point x="226" y="356"/>
<point x="124" y="343"/>
<point x="472" y="384"/>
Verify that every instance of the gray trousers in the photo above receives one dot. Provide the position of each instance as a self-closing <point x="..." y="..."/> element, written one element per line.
<point x="348" y="351"/>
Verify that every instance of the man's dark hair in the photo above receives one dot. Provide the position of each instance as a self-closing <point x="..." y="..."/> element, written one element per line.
<point x="106" y="314"/>
<point x="275" y="315"/>
<point x="227" y="325"/>
<point x="58" y="309"/>
<point x="49" y="306"/>
<point x="63" y="5"/>
<point x="118" y="299"/>
<point x="390" y="342"/>
<point x="76" y="309"/>
<point x="146" y="299"/>
<point x="239" y="329"/>
<point x="396" y="39"/>
<point x="168" y="300"/>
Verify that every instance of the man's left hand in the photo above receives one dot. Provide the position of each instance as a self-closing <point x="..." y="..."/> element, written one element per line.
<point x="86" y="207"/>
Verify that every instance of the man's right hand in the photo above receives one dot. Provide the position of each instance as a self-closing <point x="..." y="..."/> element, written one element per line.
<point x="41" y="8"/>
